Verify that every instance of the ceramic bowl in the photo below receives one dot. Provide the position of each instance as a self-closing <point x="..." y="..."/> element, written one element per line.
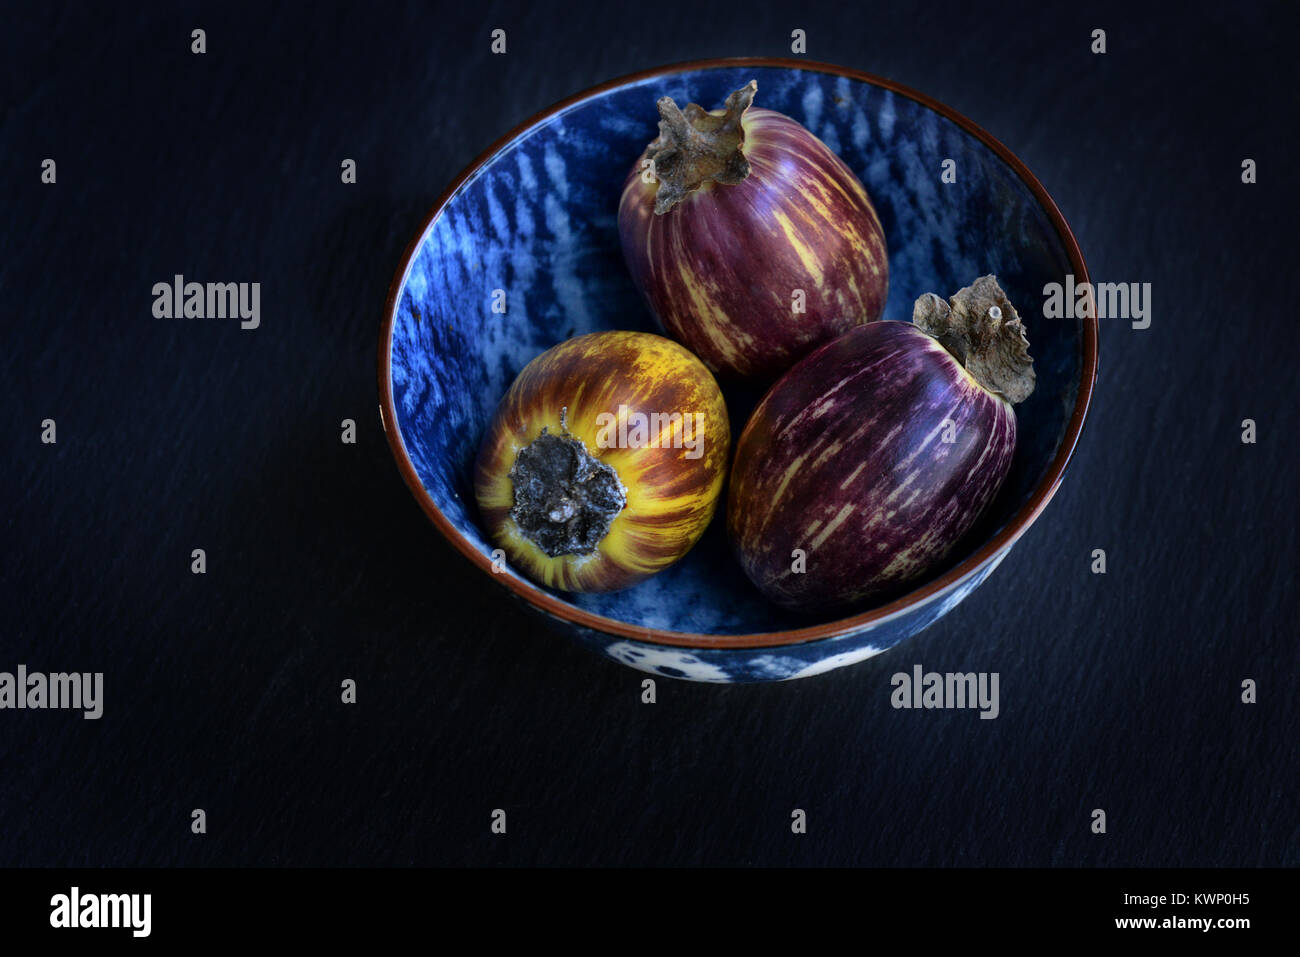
<point x="535" y="216"/>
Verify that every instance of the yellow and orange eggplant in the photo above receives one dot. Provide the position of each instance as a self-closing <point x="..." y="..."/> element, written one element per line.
<point x="604" y="462"/>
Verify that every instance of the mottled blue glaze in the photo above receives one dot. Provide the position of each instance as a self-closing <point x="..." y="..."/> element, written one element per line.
<point x="538" y="221"/>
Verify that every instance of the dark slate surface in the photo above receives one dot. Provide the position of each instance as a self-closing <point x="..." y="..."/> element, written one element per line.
<point x="222" y="692"/>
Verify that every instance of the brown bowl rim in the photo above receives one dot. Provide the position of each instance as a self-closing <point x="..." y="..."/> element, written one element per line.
<point x="544" y="600"/>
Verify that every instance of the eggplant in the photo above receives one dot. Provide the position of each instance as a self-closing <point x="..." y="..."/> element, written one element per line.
<point x="604" y="462"/>
<point x="867" y="461"/>
<point x="752" y="242"/>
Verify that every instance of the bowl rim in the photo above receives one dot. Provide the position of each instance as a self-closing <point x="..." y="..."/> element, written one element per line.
<point x="930" y="590"/>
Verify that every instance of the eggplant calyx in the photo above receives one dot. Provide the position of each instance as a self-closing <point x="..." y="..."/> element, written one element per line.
<point x="565" y="498"/>
<point x="695" y="147"/>
<point x="983" y="331"/>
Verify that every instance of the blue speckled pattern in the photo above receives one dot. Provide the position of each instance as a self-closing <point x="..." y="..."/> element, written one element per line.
<point x="538" y="221"/>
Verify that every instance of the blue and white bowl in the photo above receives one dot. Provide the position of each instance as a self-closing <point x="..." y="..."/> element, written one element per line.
<point x="535" y="217"/>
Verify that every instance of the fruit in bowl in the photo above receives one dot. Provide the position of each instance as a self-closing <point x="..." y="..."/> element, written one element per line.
<point x="750" y="239"/>
<point x="604" y="461"/>
<point x="536" y="220"/>
<point x="871" y="458"/>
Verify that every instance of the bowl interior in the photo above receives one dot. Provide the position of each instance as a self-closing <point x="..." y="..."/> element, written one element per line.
<point x="538" y="220"/>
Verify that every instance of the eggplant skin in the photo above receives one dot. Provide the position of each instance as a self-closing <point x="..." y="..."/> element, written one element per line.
<point x="845" y="458"/>
<point x="720" y="268"/>
<point x="672" y="489"/>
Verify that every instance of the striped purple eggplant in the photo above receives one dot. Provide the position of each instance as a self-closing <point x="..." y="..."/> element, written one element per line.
<point x="751" y="240"/>
<point x="868" y="460"/>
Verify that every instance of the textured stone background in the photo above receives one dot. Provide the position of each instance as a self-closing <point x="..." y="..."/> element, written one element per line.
<point x="1118" y="691"/>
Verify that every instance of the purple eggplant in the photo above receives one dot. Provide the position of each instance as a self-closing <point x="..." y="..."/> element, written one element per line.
<point x="870" y="458"/>
<point x="752" y="242"/>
